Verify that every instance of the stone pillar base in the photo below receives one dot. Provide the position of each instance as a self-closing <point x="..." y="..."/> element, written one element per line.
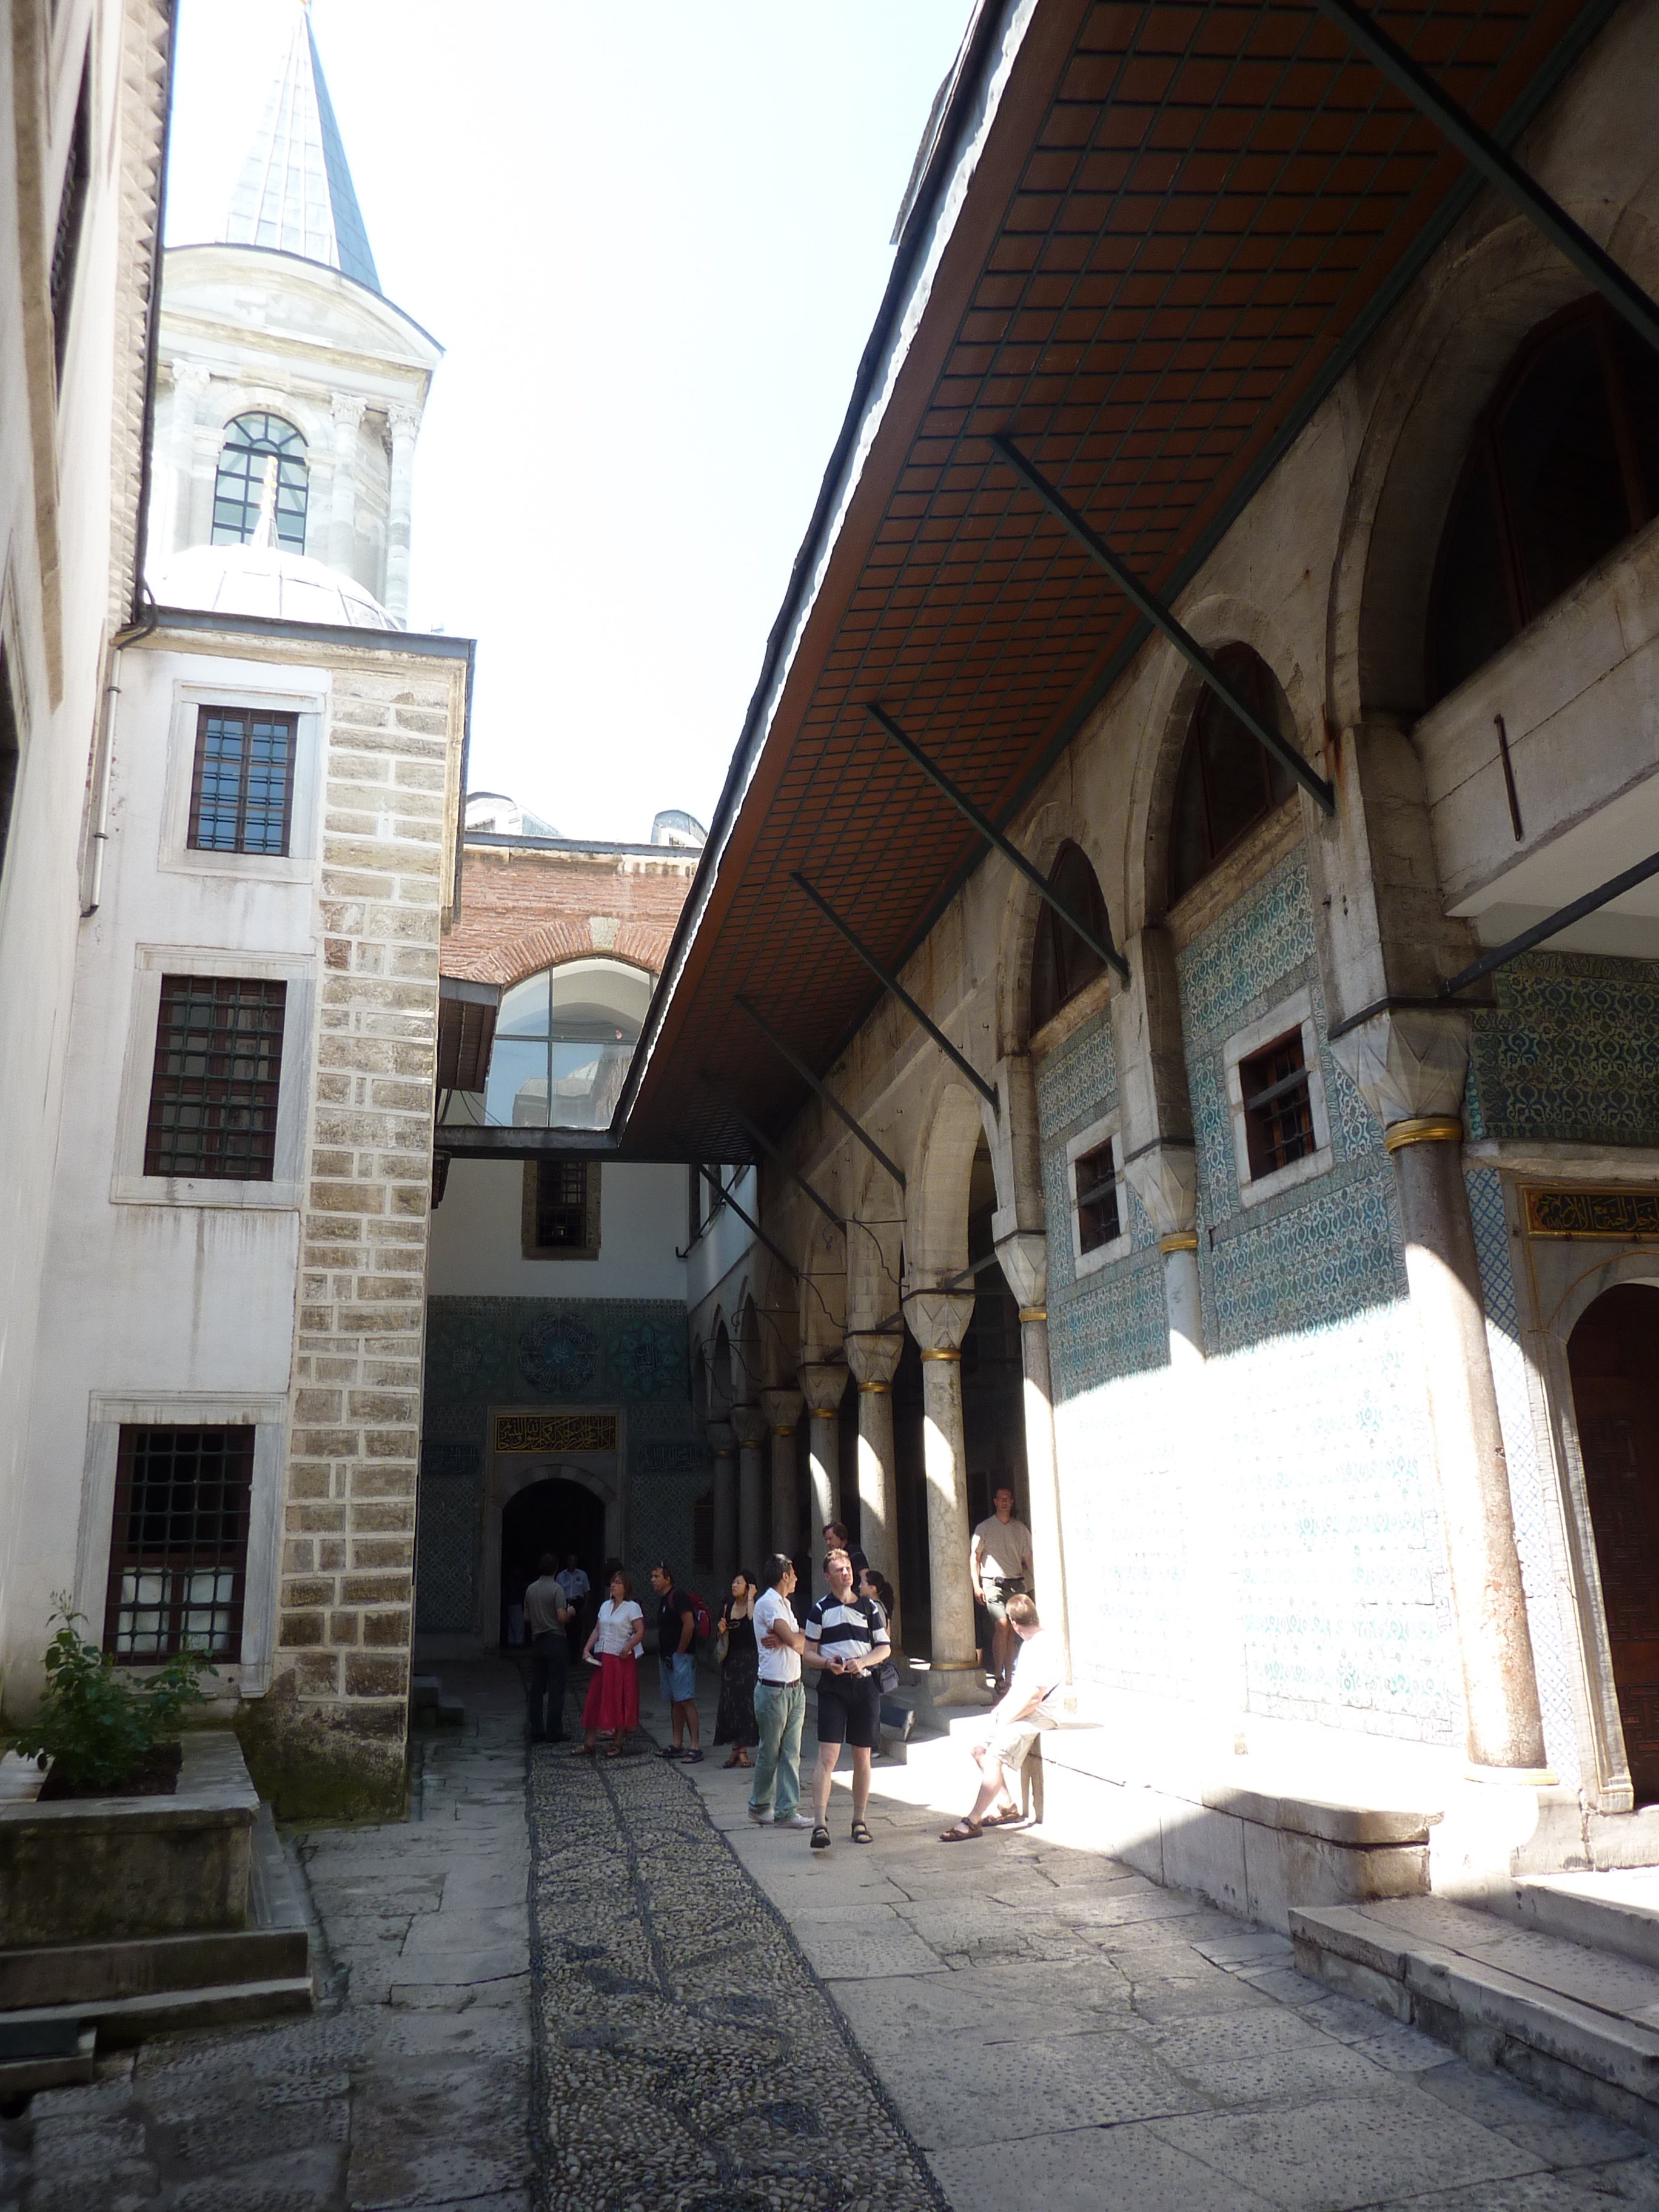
<point x="953" y="1684"/>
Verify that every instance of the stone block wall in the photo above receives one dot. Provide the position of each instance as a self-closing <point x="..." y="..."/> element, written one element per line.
<point x="329" y="1735"/>
<point x="524" y="910"/>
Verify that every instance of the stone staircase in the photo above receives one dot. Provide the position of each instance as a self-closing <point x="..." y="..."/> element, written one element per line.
<point x="428" y="1705"/>
<point x="1552" y="1978"/>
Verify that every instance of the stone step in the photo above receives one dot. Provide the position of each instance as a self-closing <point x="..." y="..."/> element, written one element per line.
<point x="451" y="1713"/>
<point x="1617" y="1912"/>
<point x="424" y="1692"/>
<point x="53" y="2056"/>
<point x="1577" y="2023"/>
<point x="124" y="2021"/>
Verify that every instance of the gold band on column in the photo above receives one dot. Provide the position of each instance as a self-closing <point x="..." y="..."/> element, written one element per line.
<point x="1034" y="1313"/>
<point x="1425" y="1129"/>
<point x="783" y="1433"/>
<point x="875" y="1386"/>
<point x="950" y="1352"/>
<point x="1181" y="1240"/>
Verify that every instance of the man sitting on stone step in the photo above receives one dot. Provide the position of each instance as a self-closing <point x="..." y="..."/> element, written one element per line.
<point x="1015" y="1725"/>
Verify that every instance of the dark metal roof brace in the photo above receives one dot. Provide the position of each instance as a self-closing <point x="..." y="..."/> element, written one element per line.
<point x="1504" y="175"/>
<point x="771" y="1150"/>
<point x="885" y="976"/>
<point x="952" y="1283"/>
<point x="993" y="836"/>
<point x="748" y="1222"/>
<point x="1551" y="925"/>
<point x="823" y="1089"/>
<point x="1154" y="611"/>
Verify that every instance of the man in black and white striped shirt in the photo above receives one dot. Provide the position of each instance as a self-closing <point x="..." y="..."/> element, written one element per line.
<point x="846" y="1645"/>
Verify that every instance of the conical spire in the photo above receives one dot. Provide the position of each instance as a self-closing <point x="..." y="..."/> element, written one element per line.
<point x="295" y="189"/>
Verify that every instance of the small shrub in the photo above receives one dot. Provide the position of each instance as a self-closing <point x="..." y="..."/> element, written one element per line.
<point x="94" y="1727"/>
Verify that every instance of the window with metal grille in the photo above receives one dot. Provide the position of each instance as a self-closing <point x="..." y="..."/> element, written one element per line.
<point x="561" y="1204"/>
<point x="179" y="1551"/>
<point x="242" y="792"/>
<point x="1278" y="1127"/>
<point x="71" y="220"/>
<point x="251" y="441"/>
<point x="1098" y="1217"/>
<point x="1063" y="964"/>
<point x="1562" y="466"/>
<point x="213" y="1092"/>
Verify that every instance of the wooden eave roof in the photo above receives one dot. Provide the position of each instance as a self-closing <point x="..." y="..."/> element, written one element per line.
<point x="1179" y="225"/>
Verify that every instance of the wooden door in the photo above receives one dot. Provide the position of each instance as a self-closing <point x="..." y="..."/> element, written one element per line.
<point x="1614" y="1354"/>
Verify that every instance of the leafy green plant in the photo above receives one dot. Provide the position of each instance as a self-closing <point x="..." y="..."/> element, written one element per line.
<point x="96" y="1726"/>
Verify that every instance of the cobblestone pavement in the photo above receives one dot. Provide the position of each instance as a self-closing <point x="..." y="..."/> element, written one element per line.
<point x="411" y="2084"/>
<point x="1051" y="2029"/>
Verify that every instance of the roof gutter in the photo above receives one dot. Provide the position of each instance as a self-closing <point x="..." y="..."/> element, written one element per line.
<point x="989" y="49"/>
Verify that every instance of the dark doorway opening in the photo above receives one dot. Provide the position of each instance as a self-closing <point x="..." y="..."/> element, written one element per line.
<point x="555" y="1516"/>
<point x="993" y="1366"/>
<point x="1612" y="1354"/>
<point x="910" y="1485"/>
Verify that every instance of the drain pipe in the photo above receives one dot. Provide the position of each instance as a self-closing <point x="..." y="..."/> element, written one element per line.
<point x="103" y="758"/>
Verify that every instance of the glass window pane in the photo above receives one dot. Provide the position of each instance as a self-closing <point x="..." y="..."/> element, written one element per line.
<point x="1562" y="474"/>
<point x="1471" y="619"/>
<point x="517" y="1093"/>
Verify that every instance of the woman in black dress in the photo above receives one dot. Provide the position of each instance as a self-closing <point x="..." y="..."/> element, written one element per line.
<point x="735" y="1721"/>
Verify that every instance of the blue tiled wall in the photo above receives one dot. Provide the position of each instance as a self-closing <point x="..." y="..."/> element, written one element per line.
<point x="1571" y="1052"/>
<point x="581" y="1351"/>
<point x="1313" y="1404"/>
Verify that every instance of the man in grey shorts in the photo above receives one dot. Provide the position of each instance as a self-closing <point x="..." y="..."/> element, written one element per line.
<point x="1015" y="1725"/>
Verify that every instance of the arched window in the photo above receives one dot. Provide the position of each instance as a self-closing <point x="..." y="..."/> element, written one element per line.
<point x="564" y="1042"/>
<point x="250" y="442"/>
<point x="1227" y="782"/>
<point x="1564" y="465"/>
<point x="1062" y="964"/>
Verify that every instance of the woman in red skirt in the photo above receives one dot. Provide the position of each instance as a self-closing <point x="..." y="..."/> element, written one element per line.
<point x="613" y="1695"/>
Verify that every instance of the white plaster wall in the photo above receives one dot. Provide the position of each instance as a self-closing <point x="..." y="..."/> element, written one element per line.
<point x="68" y="473"/>
<point x="476" y="1249"/>
<point x="146" y="1300"/>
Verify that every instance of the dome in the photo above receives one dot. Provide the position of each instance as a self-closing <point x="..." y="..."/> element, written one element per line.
<point x="277" y="587"/>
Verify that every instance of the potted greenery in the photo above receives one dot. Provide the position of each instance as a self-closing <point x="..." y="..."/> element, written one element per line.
<point x="99" y="1733"/>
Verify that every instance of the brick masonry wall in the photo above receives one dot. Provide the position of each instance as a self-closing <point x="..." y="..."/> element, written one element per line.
<point x="524" y="910"/>
<point x="329" y="1735"/>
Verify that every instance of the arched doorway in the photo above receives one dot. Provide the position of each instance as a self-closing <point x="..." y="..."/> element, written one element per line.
<point x="1611" y="1355"/>
<point x="555" y="1516"/>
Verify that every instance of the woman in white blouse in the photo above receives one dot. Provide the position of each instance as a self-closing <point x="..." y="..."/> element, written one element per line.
<point x="613" y="1695"/>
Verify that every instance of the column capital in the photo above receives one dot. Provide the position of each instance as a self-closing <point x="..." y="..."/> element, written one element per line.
<point x="824" y="1381"/>
<point x="191" y="376"/>
<point x="1163" y="1177"/>
<point x="402" y="421"/>
<point x="1409" y="1064"/>
<point x="722" y="1439"/>
<point x="752" y="1426"/>
<point x="1024" y="1259"/>
<point x="939" y="1319"/>
<point x="349" y="409"/>
<point x="782" y="1409"/>
<point x="873" y="1354"/>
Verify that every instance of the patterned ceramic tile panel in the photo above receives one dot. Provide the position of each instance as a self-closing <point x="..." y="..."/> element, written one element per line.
<point x="1570" y="1051"/>
<point x="1077" y="1082"/>
<point x="1543" y="1572"/>
<point x="630" y="1351"/>
<point x="1113" y="1324"/>
<point x="1318" y="1253"/>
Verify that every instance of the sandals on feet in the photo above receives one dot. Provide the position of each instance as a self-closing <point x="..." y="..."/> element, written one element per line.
<point x="964" y="1832"/>
<point x="862" y="1833"/>
<point x="1002" y="1818"/>
<point x="820" y="1838"/>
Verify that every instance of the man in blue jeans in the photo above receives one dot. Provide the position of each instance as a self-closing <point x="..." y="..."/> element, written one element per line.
<point x="780" y="1702"/>
<point x="676" y="1624"/>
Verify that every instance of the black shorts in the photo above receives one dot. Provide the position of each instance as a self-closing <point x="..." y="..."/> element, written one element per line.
<point x="849" y="1711"/>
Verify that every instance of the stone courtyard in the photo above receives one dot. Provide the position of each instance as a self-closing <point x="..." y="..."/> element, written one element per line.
<point x="603" y="1989"/>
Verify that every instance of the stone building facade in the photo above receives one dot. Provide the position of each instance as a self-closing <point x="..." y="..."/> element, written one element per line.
<point x="1321" y="1438"/>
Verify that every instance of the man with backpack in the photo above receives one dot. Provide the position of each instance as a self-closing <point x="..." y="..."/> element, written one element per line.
<point x="676" y="1628"/>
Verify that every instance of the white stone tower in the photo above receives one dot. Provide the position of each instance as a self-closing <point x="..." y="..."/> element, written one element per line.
<point x="277" y="340"/>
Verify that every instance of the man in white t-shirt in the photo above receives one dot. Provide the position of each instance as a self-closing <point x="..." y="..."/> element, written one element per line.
<point x="1015" y="1724"/>
<point x="779" y="1705"/>
<point x="998" y="1568"/>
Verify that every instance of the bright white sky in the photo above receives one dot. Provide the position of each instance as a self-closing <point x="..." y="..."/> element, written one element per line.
<point x="653" y="240"/>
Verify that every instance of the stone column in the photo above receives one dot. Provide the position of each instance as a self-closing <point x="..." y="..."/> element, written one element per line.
<point x="752" y="1426"/>
<point x="403" y="424"/>
<point x="824" y="1382"/>
<point x="873" y="1355"/>
<point x="172" y="531"/>
<point x="1410" y="1067"/>
<point x="723" y="1442"/>
<point x="782" y="1409"/>
<point x="343" y="508"/>
<point x="1024" y="1259"/>
<point x="939" y="1320"/>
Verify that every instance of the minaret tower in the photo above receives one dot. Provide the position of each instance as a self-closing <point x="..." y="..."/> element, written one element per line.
<point x="278" y="341"/>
